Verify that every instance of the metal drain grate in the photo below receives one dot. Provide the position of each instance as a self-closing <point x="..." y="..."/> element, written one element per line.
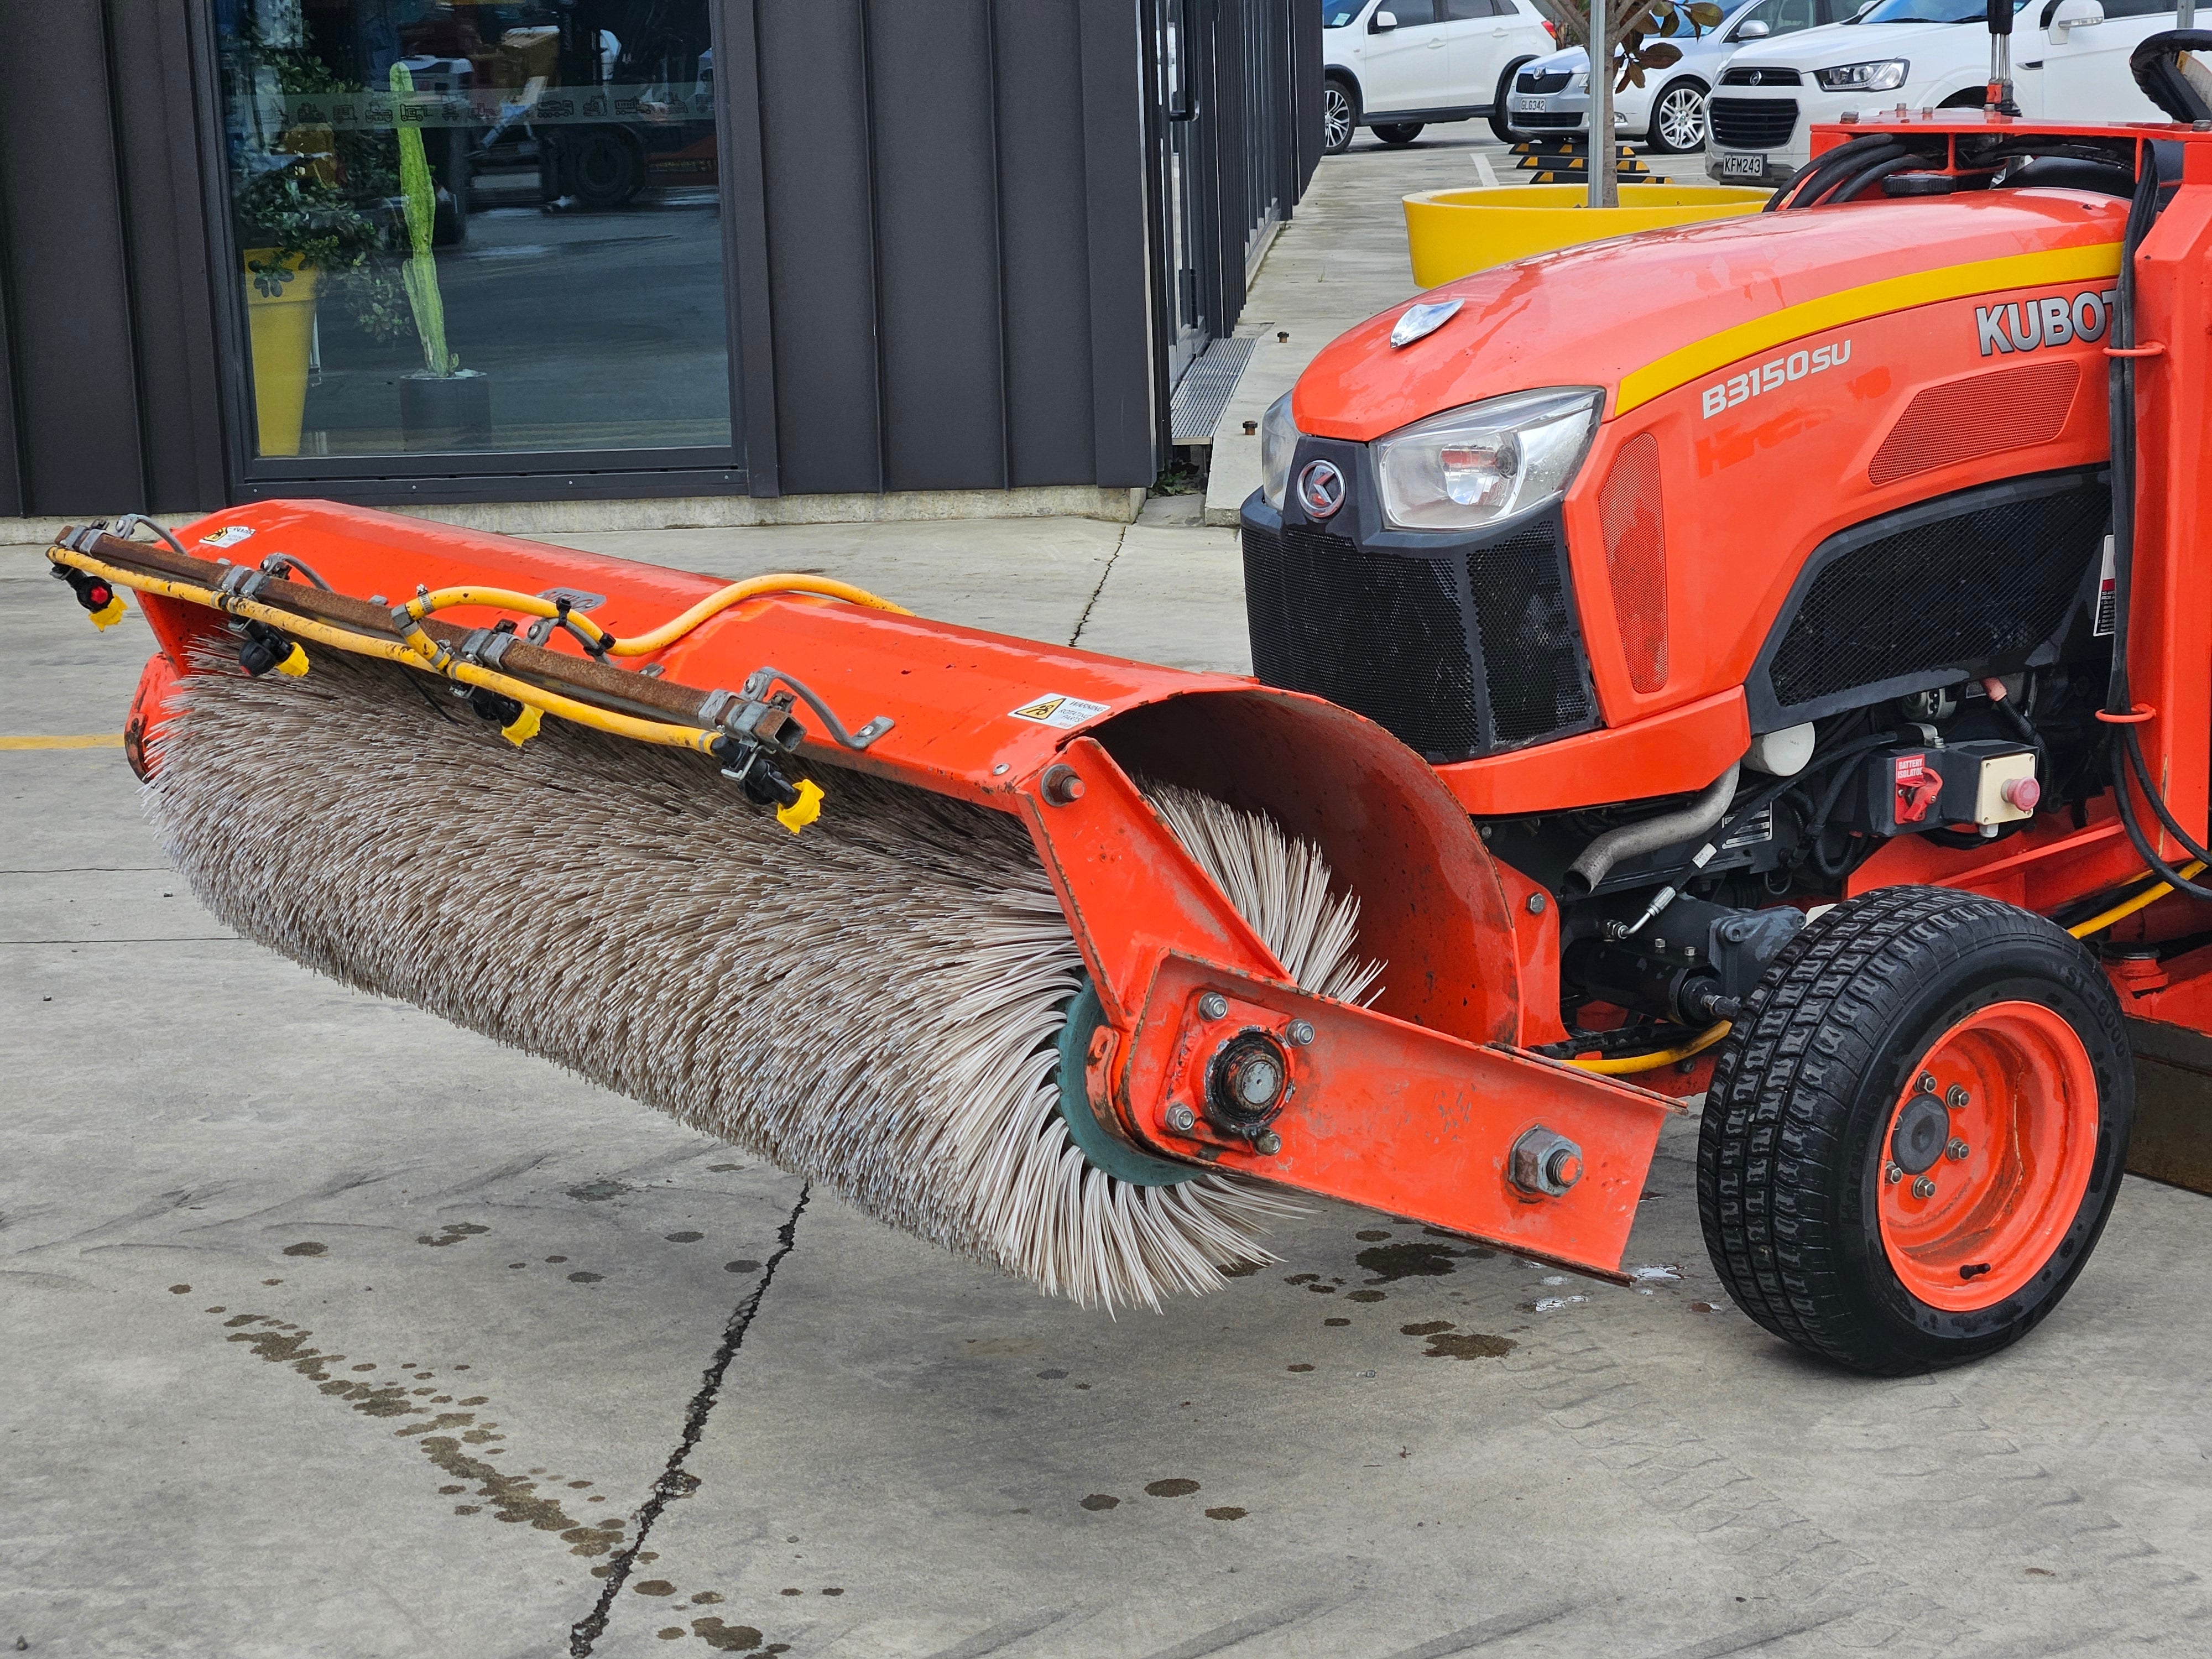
<point x="1205" y="389"/>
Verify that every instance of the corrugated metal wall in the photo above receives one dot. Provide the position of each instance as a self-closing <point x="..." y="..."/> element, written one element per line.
<point x="936" y="231"/>
<point x="106" y="343"/>
<point x="951" y="213"/>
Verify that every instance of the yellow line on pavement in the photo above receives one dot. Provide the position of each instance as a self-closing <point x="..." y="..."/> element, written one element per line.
<point x="96" y="740"/>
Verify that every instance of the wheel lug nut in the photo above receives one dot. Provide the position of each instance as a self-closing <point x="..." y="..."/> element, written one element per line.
<point x="1924" y="1188"/>
<point x="1956" y="1096"/>
<point x="1892" y="1173"/>
<point x="1957" y="1151"/>
<point x="1927" y="1083"/>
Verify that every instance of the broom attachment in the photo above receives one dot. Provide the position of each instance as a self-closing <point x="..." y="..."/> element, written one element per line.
<point x="998" y="995"/>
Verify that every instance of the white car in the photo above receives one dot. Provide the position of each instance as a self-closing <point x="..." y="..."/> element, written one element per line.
<point x="2069" y="61"/>
<point x="1668" y="112"/>
<point x="1398" y="65"/>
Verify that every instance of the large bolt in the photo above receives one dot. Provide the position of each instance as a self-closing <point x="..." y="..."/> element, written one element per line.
<point x="1267" y="1143"/>
<point x="1545" y="1163"/>
<point x="1927" y="1083"/>
<point x="1181" y="1119"/>
<point x="1299" y="1034"/>
<point x="1892" y="1175"/>
<point x="1956" y="1096"/>
<point x="1213" y="1006"/>
<point x="1924" y="1188"/>
<point x="1062" y="785"/>
<point x="1957" y="1151"/>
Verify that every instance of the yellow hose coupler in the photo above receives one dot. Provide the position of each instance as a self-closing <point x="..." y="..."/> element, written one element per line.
<point x="804" y="811"/>
<point x="109" y="614"/>
<point x="523" y="728"/>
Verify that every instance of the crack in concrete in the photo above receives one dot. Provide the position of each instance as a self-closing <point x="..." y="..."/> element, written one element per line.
<point x="1104" y="576"/>
<point x="674" y="1482"/>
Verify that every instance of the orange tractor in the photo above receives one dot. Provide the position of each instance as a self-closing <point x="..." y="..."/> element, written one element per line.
<point x="1765" y="659"/>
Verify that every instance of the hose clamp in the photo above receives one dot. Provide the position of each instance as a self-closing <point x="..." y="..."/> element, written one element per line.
<point x="486" y="647"/>
<point x="240" y="582"/>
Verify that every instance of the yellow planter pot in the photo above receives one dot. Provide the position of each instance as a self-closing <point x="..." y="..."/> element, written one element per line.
<point x="1451" y="233"/>
<point x="282" y="324"/>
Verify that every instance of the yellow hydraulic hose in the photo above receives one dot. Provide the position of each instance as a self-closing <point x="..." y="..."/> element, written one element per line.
<point x="753" y="588"/>
<point x="662" y="733"/>
<point x="2135" y="901"/>
<point x="1627" y="1065"/>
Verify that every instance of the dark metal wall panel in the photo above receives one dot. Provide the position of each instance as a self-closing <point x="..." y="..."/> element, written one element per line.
<point x="166" y="228"/>
<point x="1120" y="248"/>
<point x="11" y="467"/>
<point x="1045" y="241"/>
<point x="1305" y="72"/>
<point x="936" y="157"/>
<point x="820" y="192"/>
<point x="69" y="302"/>
<point x="1229" y="133"/>
<point x="746" y="286"/>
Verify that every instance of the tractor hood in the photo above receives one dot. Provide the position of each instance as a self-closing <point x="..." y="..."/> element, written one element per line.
<point x="1639" y="315"/>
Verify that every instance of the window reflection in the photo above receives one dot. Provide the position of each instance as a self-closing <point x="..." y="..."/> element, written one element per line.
<point x="477" y="227"/>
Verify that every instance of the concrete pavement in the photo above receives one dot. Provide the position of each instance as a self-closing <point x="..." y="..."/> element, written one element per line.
<point x="332" y="1330"/>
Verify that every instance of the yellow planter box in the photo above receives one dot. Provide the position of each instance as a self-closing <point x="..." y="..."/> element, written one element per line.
<point x="1451" y="233"/>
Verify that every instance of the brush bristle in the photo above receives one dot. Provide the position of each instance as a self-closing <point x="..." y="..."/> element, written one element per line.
<point x="872" y="1005"/>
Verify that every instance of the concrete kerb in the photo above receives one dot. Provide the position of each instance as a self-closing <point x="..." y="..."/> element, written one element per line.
<point x="570" y="518"/>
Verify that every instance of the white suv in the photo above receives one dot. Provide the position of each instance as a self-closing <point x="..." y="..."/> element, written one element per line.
<point x="1397" y="65"/>
<point x="1668" y="112"/>
<point x="2070" y="63"/>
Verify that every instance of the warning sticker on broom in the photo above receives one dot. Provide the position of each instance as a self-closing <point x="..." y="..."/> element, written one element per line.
<point x="1055" y="708"/>
<point x="228" y="535"/>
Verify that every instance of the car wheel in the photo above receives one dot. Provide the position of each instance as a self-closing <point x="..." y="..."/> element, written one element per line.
<point x="1678" y="118"/>
<point x="1398" y="134"/>
<point x="1501" y="123"/>
<point x="1340" y="116"/>
<point x="1915" y="1130"/>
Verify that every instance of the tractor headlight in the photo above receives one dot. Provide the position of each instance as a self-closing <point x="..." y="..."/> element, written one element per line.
<point x="1279" y="442"/>
<point x="1469" y="466"/>
<point x="1883" y="75"/>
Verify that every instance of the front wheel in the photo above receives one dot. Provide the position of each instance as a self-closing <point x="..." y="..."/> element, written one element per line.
<point x="1501" y="120"/>
<point x="1339" y="117"/>
<point x="1915" y="1131"/>
<point x="1678" y="118"/>
<point x="1398" y="134"/>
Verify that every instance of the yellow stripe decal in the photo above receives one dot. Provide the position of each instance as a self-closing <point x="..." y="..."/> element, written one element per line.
<point x="97" y="740"/>
<point x="1856" y="305"/>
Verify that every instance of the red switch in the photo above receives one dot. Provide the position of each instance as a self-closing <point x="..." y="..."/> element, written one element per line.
<point x="1917" y="786"/>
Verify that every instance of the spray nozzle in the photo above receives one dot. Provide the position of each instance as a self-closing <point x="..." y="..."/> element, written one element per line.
<point x="96" y="593"/>
<point x="266" y="648"/>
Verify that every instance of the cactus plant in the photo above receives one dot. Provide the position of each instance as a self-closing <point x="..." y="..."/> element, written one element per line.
<point x="420" y="274"/>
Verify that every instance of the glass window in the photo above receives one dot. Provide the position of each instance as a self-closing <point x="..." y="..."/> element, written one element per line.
<point x="1412" y="14"/>
<point x="1465" y="11"/>
<point x="1929" y="11"/>
<point x="477" y="227"/>
<point x="1335" y="13"/>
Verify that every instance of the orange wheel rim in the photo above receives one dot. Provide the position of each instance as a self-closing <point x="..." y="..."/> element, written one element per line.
<point x="2011" y="1096"/>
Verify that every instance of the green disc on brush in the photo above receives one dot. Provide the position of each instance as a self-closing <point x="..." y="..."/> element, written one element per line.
<point x="875" y="1006"/>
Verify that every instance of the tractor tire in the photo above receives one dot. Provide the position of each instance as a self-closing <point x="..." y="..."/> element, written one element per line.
<point x="1892" y="1226"/>
<point x="1501" y="118"/>
<point x="1398" y="134"/>
<point x="1339" y="115"/>
<point x="607" y="167"/>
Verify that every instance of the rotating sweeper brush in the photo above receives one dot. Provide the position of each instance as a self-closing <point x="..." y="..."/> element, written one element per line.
<point x="1747" y="660"/>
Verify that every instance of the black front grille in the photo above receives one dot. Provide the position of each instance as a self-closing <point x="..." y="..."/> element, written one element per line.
<point x="1974" y="582"/>
<point x="1761" y="77"/>
<point x="1543" y="81"/>
<point x="1458" y="654"/>
<point x="1752" y="123"/>
<point x="1549" y="118"/>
